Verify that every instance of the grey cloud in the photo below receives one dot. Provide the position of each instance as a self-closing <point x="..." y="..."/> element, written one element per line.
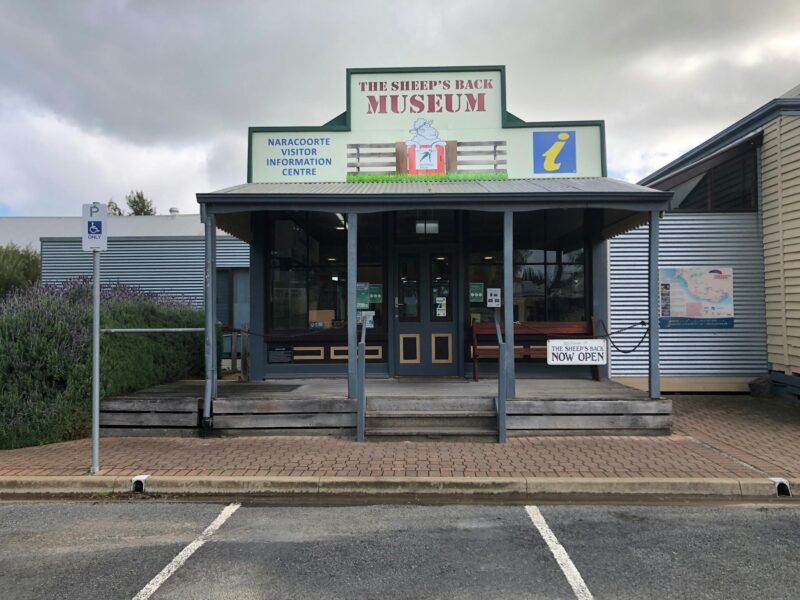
<point x="184" y="75"/>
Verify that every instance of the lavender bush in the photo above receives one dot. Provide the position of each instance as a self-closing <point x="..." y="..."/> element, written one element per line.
<point x="45" y="355"/>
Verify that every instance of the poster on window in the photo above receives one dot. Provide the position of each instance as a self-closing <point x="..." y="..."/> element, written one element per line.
<point x="696" y="297"/>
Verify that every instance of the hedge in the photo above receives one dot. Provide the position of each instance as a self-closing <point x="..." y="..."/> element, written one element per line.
<point x="19" y="268"/>
<point x="46" y="355"/>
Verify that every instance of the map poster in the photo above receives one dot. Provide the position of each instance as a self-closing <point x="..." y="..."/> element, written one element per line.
<point x="696" y="297"/>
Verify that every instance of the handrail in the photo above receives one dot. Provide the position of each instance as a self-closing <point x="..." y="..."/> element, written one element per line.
<point x="153" y="330"/>
<point x="502" y="381"/>
<point x="361" y="376"/>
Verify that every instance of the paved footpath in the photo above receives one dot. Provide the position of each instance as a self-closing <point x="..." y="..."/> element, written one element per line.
<point x="715" y="437"/>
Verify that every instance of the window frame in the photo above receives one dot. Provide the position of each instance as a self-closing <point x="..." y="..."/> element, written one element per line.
<point x="708" y="167"/>
<point x="286" y="333"/>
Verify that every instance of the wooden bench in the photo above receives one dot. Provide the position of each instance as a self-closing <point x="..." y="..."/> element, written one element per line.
<point x="533" y="335"/>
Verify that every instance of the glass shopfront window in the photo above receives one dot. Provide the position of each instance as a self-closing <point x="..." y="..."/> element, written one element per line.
<point x="549" y="264"/>
<point x="308" y="269"/>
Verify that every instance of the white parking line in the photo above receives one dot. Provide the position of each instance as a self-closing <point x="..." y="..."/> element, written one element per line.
<point x="560" y="554"/>
<point x="177" y="562"/>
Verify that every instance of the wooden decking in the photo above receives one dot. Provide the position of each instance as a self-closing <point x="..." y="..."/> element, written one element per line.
<point x="396" y="409"/>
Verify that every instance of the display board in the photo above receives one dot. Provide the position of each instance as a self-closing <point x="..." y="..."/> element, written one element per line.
<point x="696" y="297"/>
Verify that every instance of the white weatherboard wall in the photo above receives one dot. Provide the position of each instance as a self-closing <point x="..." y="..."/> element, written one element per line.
<point x="692" y="239"/>
<point x="173" y="266"/>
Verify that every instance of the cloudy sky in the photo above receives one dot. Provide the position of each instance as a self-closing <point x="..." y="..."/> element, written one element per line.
<point x="98" y="98"/>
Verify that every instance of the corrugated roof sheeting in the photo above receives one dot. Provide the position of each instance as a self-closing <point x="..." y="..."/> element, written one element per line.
<point x="725" y="240"/>
<point x="506" y="186"/>
<point x="168" y="266"/>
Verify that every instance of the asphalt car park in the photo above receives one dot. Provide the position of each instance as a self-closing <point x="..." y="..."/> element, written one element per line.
<point x="207" y="550"/>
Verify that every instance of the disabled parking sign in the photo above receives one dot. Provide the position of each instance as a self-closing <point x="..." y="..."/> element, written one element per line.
<point x="95" y="236"/>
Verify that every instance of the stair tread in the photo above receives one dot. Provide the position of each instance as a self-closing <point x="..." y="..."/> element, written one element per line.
<point x="430" y="413"/>
<point x="431" y="399"/>
<point x="433" y="431"/>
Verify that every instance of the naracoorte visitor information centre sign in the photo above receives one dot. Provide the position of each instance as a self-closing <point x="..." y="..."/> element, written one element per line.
<point x="431" y="123"/>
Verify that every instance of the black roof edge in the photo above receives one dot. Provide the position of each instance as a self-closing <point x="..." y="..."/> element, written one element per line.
<point x="591" y="197"/>
<point x="755" y="119"/>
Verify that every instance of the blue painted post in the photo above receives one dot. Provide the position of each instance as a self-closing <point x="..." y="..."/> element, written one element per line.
<point x="352" y="276"/>
<point x="502" y="394"/>
<point x="214" y="357"/>
<point x="257" y="303"/>
<point x="361" y="403"/>
<point x="211" y="365"/>
<point x="508" y="301"/>
<point x="654" y="374"/>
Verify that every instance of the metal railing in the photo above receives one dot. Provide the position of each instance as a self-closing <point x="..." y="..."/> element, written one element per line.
<point x="234" y="334"/>
<point x="154" y="330"/>
<point x="361" y="384"/>
<point x="502" y="381"/>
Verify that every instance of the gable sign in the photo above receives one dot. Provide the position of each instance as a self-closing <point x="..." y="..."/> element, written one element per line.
<point x="447" y="123"/>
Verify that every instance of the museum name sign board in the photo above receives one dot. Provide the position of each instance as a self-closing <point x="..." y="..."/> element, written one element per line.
<point x="437" y="123"/>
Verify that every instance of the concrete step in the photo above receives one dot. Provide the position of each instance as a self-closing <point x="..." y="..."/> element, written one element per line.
<point x="430" y="413"/>
<point x="423" y="423"/>
<point x="429" y="404"/>
<point x="462" y="434"/>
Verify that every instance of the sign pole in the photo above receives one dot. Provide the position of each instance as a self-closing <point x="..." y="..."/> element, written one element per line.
<point x="96" y="363"/>
<point x="95" y="240"/>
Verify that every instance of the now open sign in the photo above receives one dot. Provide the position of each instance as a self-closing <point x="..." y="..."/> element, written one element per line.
<point x="577" y="352"/>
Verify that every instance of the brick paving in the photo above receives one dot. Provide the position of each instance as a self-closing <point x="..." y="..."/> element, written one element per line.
<point x="762" y="432"/>
<point x="732" y="437"/>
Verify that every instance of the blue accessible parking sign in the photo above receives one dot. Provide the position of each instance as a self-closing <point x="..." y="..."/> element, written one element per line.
<point x="94" y="230"/>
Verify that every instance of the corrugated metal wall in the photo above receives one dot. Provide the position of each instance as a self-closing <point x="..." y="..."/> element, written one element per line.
<point x="165" y="265"/>
<point x="780" y="168"/>
<point x="692" y="239"/>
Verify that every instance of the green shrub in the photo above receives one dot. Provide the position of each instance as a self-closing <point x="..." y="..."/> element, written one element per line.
<point x="19" y="268"/>
<point x="46" y="355"/>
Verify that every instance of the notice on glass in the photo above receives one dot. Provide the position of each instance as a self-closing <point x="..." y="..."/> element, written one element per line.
<point x="362" y="295"/>
<point x="441" y="306"/>
<point x="493" y="298"/>
<point x="476" y="292"/>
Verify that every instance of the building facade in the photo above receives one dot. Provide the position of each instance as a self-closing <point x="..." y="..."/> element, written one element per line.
<point x="424" y="209"/>
<point x="162" y="254"/>
<point x="735" y="198"/>
<point x="431" y="238"/>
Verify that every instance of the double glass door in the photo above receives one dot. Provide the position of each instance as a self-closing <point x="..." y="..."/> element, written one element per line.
<point x="425" y="311"/>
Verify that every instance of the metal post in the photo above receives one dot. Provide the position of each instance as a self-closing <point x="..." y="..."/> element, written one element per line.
<point x="361" y="403"/>
<point x="214" y="379"/>
<point x="96" y="363"/>
<point x="211" y="367"/>
<point x="245" y="374"/>
<point x="654" y="375"/>
<point x="258" y="308"/>
<point x="502" y="379"/>
<point x="508" y="302"/>
<point x="502" y="393"/>
<point x="234" y="352"/>
<point x="352" y="276"/>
